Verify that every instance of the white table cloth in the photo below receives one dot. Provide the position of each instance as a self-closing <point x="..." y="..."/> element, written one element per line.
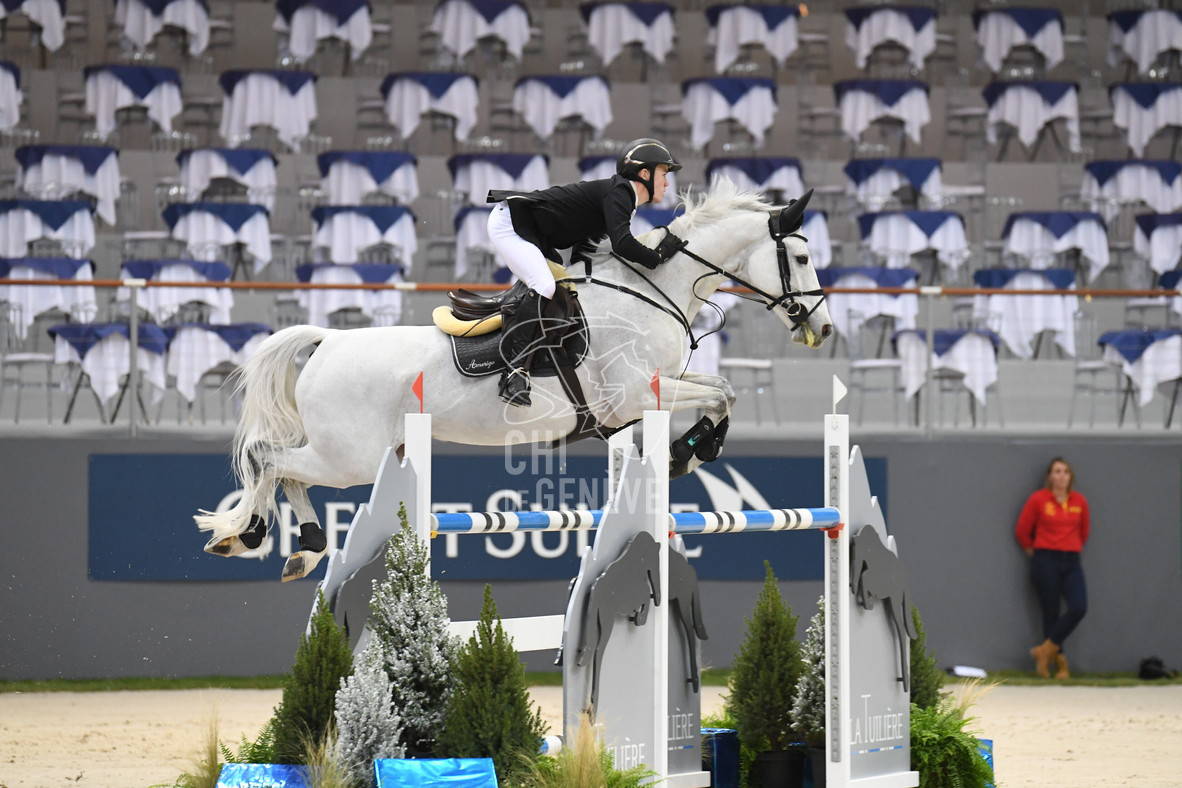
<point x="348" y="176"/>
<point x="545" y="100"/>
<point x="10" y="95"/>
<point x="49" y="14"/>
<point x="896" y="235"/>
<point x="254" y="168"/>
<point x="24" y="221"/>
<point x="759" y="173"/>
<point x="1148" y="358"/>
<point x="410" y="95"/>
<point x="816" y="228"/>
<point x="863" y="101"/>
<point x="1038" y="236"/>
<point x="1158" y="239"/>
<point x="207" y="227"/>
<point x="593" y="168"/>
<point x="283" y="100"/>
<point x="874" y="181"/>
<point x="308" y="21"/>
<point x="347" y="229"/>
<point x="103" y="351"/>
<point x="52" y="171"/>
<point x="164" y="302"/>
<point x="322" y="303"/>
<point x="850" y="310"/>
<point x="734" y="26"/>
<point x="461" y="23"/>
<point x="115" y="87"/>
<point x="142" y="20"/>
<point x="471" y="226"/>
<point x="1029" y="105"/>
<point x="475" y="174"/>
<point x="1020" y="318"/>
<point x="79" y="302"/>
<point x="1143" y="109"/>
<point x="195" y="349"/>
<point x="911" y="27"/>
<point x="1000" y="30"/>
<point x="972" y="353"/>
<point x="1171" y="280"/>
<point x="1142" y="35"/>
<point x="751" y="101"/>
<point x="611" y="26"/>
<point x="1108" y="184"/>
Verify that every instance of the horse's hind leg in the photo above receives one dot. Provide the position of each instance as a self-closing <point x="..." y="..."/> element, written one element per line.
<point x="313" y="542"/>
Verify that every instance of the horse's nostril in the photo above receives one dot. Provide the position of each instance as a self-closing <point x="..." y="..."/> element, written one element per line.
<point x="826" y="329"/>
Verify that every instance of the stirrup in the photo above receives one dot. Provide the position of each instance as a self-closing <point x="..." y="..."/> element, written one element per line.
<point x="515" y="387"/>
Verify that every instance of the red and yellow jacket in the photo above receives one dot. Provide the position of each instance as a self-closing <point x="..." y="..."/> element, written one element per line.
<point x="1046" y="524"/>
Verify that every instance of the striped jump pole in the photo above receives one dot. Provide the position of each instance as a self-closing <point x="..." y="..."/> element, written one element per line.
<point x="681" y="523"/>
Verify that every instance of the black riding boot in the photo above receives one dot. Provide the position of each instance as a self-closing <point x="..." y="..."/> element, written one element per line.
<point x="520" y="338"/>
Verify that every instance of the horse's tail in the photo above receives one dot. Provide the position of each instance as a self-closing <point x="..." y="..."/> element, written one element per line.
<point x="269" y="423"/>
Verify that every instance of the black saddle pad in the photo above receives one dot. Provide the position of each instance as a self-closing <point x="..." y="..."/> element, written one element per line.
<point x="476" y="357"/>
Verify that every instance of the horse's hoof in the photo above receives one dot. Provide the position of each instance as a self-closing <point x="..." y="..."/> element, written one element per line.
<point x="227" y="546"/>
<point x="301" y="564"/>
<point x="677" y="468"/>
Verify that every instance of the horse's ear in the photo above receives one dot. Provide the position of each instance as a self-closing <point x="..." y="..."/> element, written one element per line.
<point x="792" y="217"/>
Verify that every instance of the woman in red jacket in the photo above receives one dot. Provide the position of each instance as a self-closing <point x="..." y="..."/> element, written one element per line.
<point x="1053" y="529"/>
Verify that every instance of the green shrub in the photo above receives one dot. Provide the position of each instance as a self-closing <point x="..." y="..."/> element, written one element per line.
<point x="490" y="713"/>
<point x="943" y="752"/>
<point x="926" y="679"/>
<point x="766" y="672"/>
<point x="309" y="692"/>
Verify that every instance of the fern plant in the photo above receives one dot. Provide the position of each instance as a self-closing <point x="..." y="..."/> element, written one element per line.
<point x="943" y="751"/>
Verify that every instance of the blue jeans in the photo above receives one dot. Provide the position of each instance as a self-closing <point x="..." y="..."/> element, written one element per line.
<point x="1058" y="575"/>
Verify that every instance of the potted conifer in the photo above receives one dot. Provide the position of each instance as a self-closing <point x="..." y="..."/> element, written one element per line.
<point x="761" y="686"/>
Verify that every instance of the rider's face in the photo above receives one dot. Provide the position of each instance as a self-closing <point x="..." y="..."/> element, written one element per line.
<point x="660" y="182"/>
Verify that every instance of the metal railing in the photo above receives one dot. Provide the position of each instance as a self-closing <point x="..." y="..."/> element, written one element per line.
<point x="928" y="294"/>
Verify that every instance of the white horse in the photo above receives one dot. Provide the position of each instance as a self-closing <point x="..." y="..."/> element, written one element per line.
<point x="330" y="422"/>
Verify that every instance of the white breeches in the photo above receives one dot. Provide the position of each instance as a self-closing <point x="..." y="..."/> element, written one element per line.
<point x="524" y="259"/>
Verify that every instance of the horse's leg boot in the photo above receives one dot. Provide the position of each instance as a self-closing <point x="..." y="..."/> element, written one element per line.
<point x="313" y="547"/>
<point x="708" y="450"/>
<point x="699" y="435"/>
<point x="249" y="539"/>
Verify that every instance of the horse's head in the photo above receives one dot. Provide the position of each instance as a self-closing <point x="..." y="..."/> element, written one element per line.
<point x="783" y="269"/>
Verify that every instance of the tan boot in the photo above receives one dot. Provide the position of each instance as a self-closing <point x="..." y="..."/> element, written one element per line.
<point x="1044" y="653"/>
<point x="1061" y="664"/>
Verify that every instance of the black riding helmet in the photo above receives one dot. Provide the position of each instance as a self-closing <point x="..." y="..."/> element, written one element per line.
<point x="645" y="153"/>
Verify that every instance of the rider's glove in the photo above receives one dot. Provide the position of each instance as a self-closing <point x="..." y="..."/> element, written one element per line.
<point x="669" y="245"/>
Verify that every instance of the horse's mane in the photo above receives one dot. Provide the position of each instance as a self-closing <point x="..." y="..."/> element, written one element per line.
<point x="722" y="199"/>
<point x="702" y="207"/>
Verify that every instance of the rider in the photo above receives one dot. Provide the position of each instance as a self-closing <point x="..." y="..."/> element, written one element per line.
<point x="527" y="228"/>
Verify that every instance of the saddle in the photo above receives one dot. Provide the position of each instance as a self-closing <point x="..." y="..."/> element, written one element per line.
<point x="474" y="322"/>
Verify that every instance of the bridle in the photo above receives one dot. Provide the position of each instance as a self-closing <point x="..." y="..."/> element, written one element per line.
<point x="794" y="310"/>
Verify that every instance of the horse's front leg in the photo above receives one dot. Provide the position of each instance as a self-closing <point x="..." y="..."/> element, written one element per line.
<point x="702" y="442"/>
<point x="714" y="381"/>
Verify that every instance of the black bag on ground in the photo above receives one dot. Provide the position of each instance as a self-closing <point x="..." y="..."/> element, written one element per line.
<point x="1154" y="668"/>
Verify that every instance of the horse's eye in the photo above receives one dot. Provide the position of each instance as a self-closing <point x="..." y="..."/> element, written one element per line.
<point x="802" y="259"/>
